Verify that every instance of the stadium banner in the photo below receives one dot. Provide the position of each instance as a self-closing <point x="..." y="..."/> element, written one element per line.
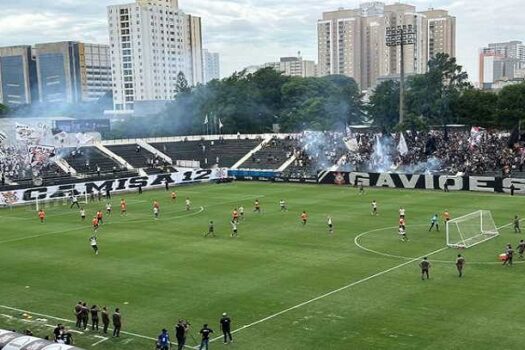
<point x="178" y="177"/>
<point x="491" y="184"/>
<point x="268" y="175"/>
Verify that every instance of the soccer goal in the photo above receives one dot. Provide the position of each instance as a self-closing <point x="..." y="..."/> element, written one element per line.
<point x="65" y="200"/>
<point x="471" y="229"/>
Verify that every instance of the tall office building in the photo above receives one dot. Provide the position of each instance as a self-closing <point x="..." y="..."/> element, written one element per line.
<point x="72" y="72"/>
<point x="151" y="42"/>
<point x="352" y="42"/>
<point x="501" y="62"/>
<point x="212" y="65"/>
<point x="18" y="80"/>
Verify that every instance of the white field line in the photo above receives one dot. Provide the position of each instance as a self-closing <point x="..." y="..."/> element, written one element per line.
<point x="102" y="339"/>
<point x="363" y="280"/>
<point x="71" y="321"/>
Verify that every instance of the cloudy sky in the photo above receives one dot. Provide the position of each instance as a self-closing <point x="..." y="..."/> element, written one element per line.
<point x="247" y="32"/>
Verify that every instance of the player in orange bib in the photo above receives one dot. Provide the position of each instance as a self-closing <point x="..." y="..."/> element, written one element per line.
<point x="41" y="215"/>
<point x="446" y="215"/>
<point x="123" y="206"/>
<point x="94" y="222"/>
<point x="174" y="196"/>
<point x="99" y="217"/>
<point x="304" y="217"/>
<point x="235" y="215"/>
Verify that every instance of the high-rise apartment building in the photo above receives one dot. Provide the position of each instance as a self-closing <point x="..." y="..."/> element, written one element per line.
<point x="352" y="42"/>
<point x="291" y="66"/>
<point x="212" y="67"/>
<point x="501" y="62"/>
<point x="151" y="41"/>
<point x="18" y="79"/>
<point x="72" y="72"/>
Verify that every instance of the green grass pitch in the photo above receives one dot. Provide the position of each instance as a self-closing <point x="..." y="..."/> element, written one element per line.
<point x="293" y="287"/>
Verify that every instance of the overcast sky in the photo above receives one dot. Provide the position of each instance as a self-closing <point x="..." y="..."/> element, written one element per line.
<point x="248" y="32"/>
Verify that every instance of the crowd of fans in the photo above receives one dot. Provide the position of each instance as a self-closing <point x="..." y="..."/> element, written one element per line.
<point x="448" y="152"/>
<point x="14" y="163"/>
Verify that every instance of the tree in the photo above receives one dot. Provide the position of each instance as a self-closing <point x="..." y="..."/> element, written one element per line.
<point x="511" y="105"/>
<point x="432" y="95"/>
<point x="383" y="107"/>
<point x="3" y="109"/>
<point x="181" y="85"/>
<point x="477" y="107"/>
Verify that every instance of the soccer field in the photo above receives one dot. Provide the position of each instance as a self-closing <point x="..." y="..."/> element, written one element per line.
<point x="285" y="285"/>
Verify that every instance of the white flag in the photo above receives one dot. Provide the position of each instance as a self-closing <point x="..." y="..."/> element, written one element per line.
<point x="206" y="120"/>
<point x="220" y="124"/>
<point x="402" y="146"/>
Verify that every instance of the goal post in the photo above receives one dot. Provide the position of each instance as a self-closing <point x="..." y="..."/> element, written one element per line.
<point x="469" y="230"/>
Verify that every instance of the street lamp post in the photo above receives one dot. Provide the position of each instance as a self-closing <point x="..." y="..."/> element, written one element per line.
<point x="401" y="36"/>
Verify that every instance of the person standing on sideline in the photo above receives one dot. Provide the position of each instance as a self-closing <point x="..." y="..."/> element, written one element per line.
<point x="460" y="263"/>
<point x="105" y="319"/>
<point x="84" y="315"/>
<point x="225" y="324"/>
<point x="163" y="340"/>
<point x="78" y="314"/>
<point x="94" y="317"/>
<point x="117" y="322"/>
<point x="181" y="329"/>
<point x="425" y="268"/>
<point x="521" y="248"/>
<point x="205" y="332"/>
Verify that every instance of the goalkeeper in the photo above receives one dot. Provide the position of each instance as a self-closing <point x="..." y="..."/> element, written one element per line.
<point x="434" y="223"/>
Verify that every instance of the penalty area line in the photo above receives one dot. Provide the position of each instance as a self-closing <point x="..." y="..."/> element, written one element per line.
<point x="348" y="286"/>
<point x="71" y="321"/>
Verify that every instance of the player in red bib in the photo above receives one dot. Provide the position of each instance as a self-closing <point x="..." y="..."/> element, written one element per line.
<point x="304" y="217"/>
<point x="99" y="217"/>
<point x="41" y="215"/>
<point x="235" y="216"/>
<point x="94" y="222"/>
<point x="123" y="206"/>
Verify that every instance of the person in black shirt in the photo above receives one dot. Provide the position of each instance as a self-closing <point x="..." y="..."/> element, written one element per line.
<point x="105" y="319"/>
<point x="94" y="317"/>
<point x="117" y="322"/>
<point x="521" y="248"/>
<point x="181" y="329"/>
<point x="510" y="253"/>
<point x="205" y="332"/>
<point x="78" y="314"/>
<point x="67" y="337"/>
<point x="425" y="267"/>
<point x="57" y="332"/>
<point x="84" y="315"/>
<point x="225" y="323"/>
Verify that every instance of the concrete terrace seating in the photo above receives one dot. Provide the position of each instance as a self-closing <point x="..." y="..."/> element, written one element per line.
<point x="129" y="154"/>
<point x="226" y="152"/>
<point x="86" y="160"/>
<point x="271" y="156"/>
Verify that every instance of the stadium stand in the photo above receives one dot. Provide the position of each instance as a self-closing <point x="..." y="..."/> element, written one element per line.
<point x="221" y="152"/>
<point x="135" y="155"/>
<point x="272" y="155"/>
<point x="87" y="159"/>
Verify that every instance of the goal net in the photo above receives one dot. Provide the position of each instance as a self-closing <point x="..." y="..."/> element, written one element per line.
<point x="65" y="200"/>
<point x="471" y="229"/>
